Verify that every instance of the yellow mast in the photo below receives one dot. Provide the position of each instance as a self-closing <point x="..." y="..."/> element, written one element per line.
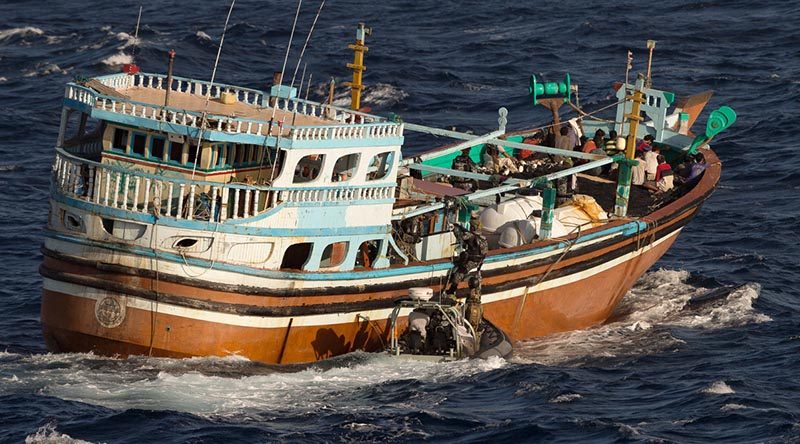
<point x="358" y="65"/>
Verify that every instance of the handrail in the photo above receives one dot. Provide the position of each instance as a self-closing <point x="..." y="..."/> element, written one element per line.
<point x="121" y="188"/>
<point x="236" y="125"/>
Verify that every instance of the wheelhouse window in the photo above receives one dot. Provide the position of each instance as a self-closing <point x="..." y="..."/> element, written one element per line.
<point x="139" y="144"/>
<point x="192" y="157"/>
<point x="380" y="166"/>
<point x="120" y="141"/>
<point x="333" y="255"/>
<point x="367" y="253"/>
<point x="157" y="145"/>
<point x="308" y="168"/>
<point x="345" y="168"/>
<point x="223" y="155"/>
<point x="296" y="256"/>
<point x="175" y="152"/>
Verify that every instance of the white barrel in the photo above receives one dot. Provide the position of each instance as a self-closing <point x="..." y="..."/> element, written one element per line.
<point x="420" y="293"/>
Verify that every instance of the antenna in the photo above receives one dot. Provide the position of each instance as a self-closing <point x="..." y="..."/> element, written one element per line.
<point x="308" y="86"/>
<point x="299" y="90"/>
<point x="275" y="105"/>
<point x="286" y="57"/>
<point x="136" y="36"/>
<point x="651" y="45"/>
<point x="208" y="94"/>
<point x="308" y="38"/>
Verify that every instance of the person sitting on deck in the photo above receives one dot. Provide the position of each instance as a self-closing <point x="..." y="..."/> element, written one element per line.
<point x="646" y="142"/>
<point x="535" y="139"/>
<point x="698" y="166"/>
<point x="596" y="142"/>
<point x="497" y="160"/>
<point x="651" y="161"/>
<point x="664" y="175"/>
<point x="463" y="162"/>
<point x="563" y="140"/>
<point x="638" y="170"/>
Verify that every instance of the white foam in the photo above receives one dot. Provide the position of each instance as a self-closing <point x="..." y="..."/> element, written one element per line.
<point x="221" y="387"/>
<point x="126" y="39"/>
<point x="47" y="434"/>
<point x="566" y="397"/>
<point x="24" y="31"/>
<point x="46" y="69"/>
<point x="732" y="406"/>
<point x="718" y="388"/>
<point x="378" y="94"/>
<point x="117" y="59"/>
<point x="202" y="35"/>
<point x="640" y="324"/>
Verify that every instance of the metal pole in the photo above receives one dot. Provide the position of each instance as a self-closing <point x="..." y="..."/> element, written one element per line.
<point x="548" y="204"/>
<point x="169" y="76"/>
<point x="651" y="45"/>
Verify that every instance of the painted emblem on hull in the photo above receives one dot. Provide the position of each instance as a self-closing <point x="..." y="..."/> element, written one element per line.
<point x="110" y="311"/>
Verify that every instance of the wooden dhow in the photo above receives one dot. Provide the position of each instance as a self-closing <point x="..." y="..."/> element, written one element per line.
<point x="284" y="230"/>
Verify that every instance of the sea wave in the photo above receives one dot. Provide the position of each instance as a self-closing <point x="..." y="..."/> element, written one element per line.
<point x="640" y="324"/>
<point x="47" y="434"/>
<point x="718" y="388"/>
<point x="117" y="59"/>
<point x="45" y="69"/>
<point x="25" y="31"/>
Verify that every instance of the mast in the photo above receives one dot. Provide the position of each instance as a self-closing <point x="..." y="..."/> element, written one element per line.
<point x="624" y="181"/>
<point x="358" y="65"/>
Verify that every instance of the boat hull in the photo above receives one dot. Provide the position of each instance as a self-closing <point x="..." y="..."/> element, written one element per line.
<point x="115" y="308"/>
<point x="82" y="308"/>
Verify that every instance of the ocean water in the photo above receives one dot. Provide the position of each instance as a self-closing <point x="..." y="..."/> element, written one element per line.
<point x="660" y="370"/>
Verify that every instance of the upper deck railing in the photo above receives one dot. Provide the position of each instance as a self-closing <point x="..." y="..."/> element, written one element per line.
<point x="348" y="124"/>
<point x="125" y="189"/>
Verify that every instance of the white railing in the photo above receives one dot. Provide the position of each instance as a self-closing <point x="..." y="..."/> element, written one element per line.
<point x="233" y="125"/>
<point x="348" y="194"/>
<point x="338" y="132"/>
<point x="198" y="87"/>
<point x="80" y="94"/>
<point x="130" y="190"/>
<point x="116" y="81"/>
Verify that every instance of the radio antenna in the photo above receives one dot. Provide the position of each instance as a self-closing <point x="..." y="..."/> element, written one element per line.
<point x="308" y="38"/>
<point x="136" y="36"/>
<point x="208" y="93"/>
<point x="286" y="56"/>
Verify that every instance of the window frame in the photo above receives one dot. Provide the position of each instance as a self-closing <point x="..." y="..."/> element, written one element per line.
<point x="123" y="149"/>
<point x="153" y="138"/>
<point x="145" y="147"/>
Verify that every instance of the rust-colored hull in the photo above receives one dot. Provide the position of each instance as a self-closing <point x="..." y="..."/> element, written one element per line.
<point x="179" y="319"/>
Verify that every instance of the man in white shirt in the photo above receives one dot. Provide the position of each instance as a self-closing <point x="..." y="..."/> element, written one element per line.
<point x="638" y="171"/>
<point x="651" y="162"/>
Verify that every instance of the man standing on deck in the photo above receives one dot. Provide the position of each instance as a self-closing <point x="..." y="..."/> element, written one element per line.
<point x="463" y="162"/>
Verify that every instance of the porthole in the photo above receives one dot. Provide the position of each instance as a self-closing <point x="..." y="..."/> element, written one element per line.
<point x="72" y="222"/>
<point x="186" y="242"/>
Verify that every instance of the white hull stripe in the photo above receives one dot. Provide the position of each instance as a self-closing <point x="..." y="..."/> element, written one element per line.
<point x="322" y="319"/>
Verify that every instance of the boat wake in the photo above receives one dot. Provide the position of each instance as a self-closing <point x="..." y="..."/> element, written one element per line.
<point x="640" y="325"/>
<point x="219" y="387"/>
